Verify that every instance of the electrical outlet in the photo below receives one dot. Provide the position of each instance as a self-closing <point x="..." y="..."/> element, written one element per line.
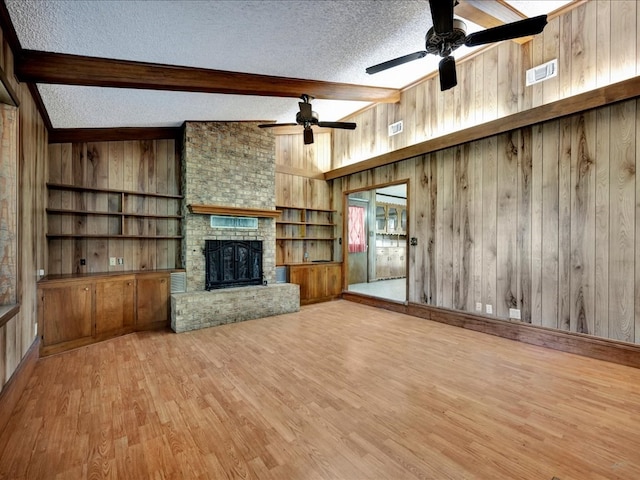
<point x="478" y="306"/>
<point x="120" y="261"/>
<point x="41" y="272"/>
<point x="514" y="313"/>
<point x="488" y="308"/>
<point x="35" y="329"/>
<point x="112" y="261"/>
<point x="83" y="261"/>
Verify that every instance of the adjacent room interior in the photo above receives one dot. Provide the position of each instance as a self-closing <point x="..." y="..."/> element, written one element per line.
<point x="264" y="240"/>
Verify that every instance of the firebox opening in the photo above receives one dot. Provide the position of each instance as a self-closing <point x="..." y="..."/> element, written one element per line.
<point x="232" y="263"/>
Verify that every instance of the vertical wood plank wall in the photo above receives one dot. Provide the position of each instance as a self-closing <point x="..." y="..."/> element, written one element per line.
<point x="545" y="219"/>
<point x="142" y="166"/>
<point x="18" y="334"/>
<point x="300" y="183"/>
<point x="8" y="204"/>
<point x="595" y="44"/>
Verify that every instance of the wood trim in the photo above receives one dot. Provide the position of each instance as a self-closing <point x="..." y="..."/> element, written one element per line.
<point x="7" y="94"/>
<point x="12" y="390"/>
<point x="580" y="344"/>
<point x="99" y="235"/>
<point x="470" y="12"/>
<point x="8" y="30"/>
<point x="80" y="135"/>
<point x="58" y="68"/>
<point x="35" y="94"/>
<point x="363" y="299"/>
<point x="233" y="211"/>
<point x="56" y="279"/>
<point x="617" y="92"/>
<point x="79" y="188"/>
<point x="300" y="172"/>
<point x="7" y="312"/>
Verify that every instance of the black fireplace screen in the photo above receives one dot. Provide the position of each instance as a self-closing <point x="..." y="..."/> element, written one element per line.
<point x="232" y="263"/>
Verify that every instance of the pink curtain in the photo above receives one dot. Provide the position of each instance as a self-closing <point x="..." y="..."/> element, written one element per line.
<point x="357" y="238"/>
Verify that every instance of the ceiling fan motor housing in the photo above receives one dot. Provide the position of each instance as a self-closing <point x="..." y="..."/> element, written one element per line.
<point x="443" y="44"/>
<point x="302" y="120"/>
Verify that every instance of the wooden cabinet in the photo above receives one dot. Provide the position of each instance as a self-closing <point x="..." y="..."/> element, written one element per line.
<point x="391" y="240"/>
<point x="391" y="218"/>
<point x="76" y="311"/>
<point x="115" y="304"/>
<point x="318" y="282"/>
<point x="152" y="299"/>
<point x="66" y="312"/>
<point x="390" y="262"/>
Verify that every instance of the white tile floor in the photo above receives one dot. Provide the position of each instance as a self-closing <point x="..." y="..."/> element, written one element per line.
<point x="395" y="289"/>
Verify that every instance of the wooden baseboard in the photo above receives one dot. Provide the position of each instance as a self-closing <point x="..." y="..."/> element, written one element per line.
<point x="375" y="302"/>
<point x="586" y="345"/>
<point x="310" y="301"/>
<point x="12" y="390"/>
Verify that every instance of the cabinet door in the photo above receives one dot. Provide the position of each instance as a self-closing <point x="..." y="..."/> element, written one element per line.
<point x="66" y="313"/>
<point x="152" y="298"/>
<point x="300" y="276"/>
<point x="334" y="280"/>
<point x="114" y="304"/>
<point x="381" y="219"/>
<point x="382" y="263"/>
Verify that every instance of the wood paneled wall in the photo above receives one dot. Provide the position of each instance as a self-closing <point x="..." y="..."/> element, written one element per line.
<point x="141" y="166"/>
<point x="300" y="183"/>
<point x="544" y="219"/>
<point x="595" y="44"/>
<point x="8" y="204"/>
<point x="18" y="334"/>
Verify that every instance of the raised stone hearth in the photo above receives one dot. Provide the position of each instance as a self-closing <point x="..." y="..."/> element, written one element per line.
<point x="228" y="164"/>
<point x="192" y="311"/>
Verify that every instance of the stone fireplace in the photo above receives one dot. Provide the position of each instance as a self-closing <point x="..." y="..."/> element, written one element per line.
<point x="228" y="167"/>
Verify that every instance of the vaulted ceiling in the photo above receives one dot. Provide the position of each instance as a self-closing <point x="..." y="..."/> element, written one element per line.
<point x="320" y="48"/>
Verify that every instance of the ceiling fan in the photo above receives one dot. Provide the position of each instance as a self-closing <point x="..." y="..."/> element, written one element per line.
<point x="449" y="33"/>
<point x="307" y="118"/>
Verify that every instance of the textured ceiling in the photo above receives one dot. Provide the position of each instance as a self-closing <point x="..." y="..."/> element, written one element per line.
<point x="330" y="40"/>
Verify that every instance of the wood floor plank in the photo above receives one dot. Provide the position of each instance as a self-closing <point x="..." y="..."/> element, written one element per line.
<point x="337" y="390"/>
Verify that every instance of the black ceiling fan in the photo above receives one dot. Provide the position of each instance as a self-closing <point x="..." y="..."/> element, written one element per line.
<point x="449" y="33"/>
<point x="307" y="118"/>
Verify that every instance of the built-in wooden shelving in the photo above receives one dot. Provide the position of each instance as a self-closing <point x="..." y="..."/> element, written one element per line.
<point x="126" y="206"/>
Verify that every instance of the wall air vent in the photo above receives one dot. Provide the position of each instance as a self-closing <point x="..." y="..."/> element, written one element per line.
<point x="395" y="128"/>
<point x="542" y="72"/>
<point x="223" y="221"/>
<point x="178" y="282"/>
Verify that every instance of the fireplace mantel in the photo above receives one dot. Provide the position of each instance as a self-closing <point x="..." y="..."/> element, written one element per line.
<point x="233" y="211"/>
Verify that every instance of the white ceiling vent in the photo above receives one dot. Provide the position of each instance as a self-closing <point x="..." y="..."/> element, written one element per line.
<point x="395" y="128"/>
<point x="542" y="72"/>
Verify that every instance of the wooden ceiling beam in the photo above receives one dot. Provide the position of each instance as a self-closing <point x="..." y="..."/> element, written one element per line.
<point x="494" y="14"/>
<point x="58" y="68"/>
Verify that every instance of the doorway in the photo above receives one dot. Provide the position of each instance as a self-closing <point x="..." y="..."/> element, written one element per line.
<point x="377" y="233"/>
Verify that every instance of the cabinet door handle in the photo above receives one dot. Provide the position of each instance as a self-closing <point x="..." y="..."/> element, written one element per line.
<point x="162" y="281"/>
<point x="128" y="283"/>
<point x="86" y="288"/>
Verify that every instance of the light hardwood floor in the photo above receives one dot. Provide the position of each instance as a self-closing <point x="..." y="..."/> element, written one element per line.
<point x="339" y="390"/>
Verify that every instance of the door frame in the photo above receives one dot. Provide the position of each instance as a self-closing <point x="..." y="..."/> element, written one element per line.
<point x="345" y="230"/>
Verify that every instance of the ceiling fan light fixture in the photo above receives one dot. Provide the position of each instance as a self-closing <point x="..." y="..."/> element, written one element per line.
<point x="448" y="76"/>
